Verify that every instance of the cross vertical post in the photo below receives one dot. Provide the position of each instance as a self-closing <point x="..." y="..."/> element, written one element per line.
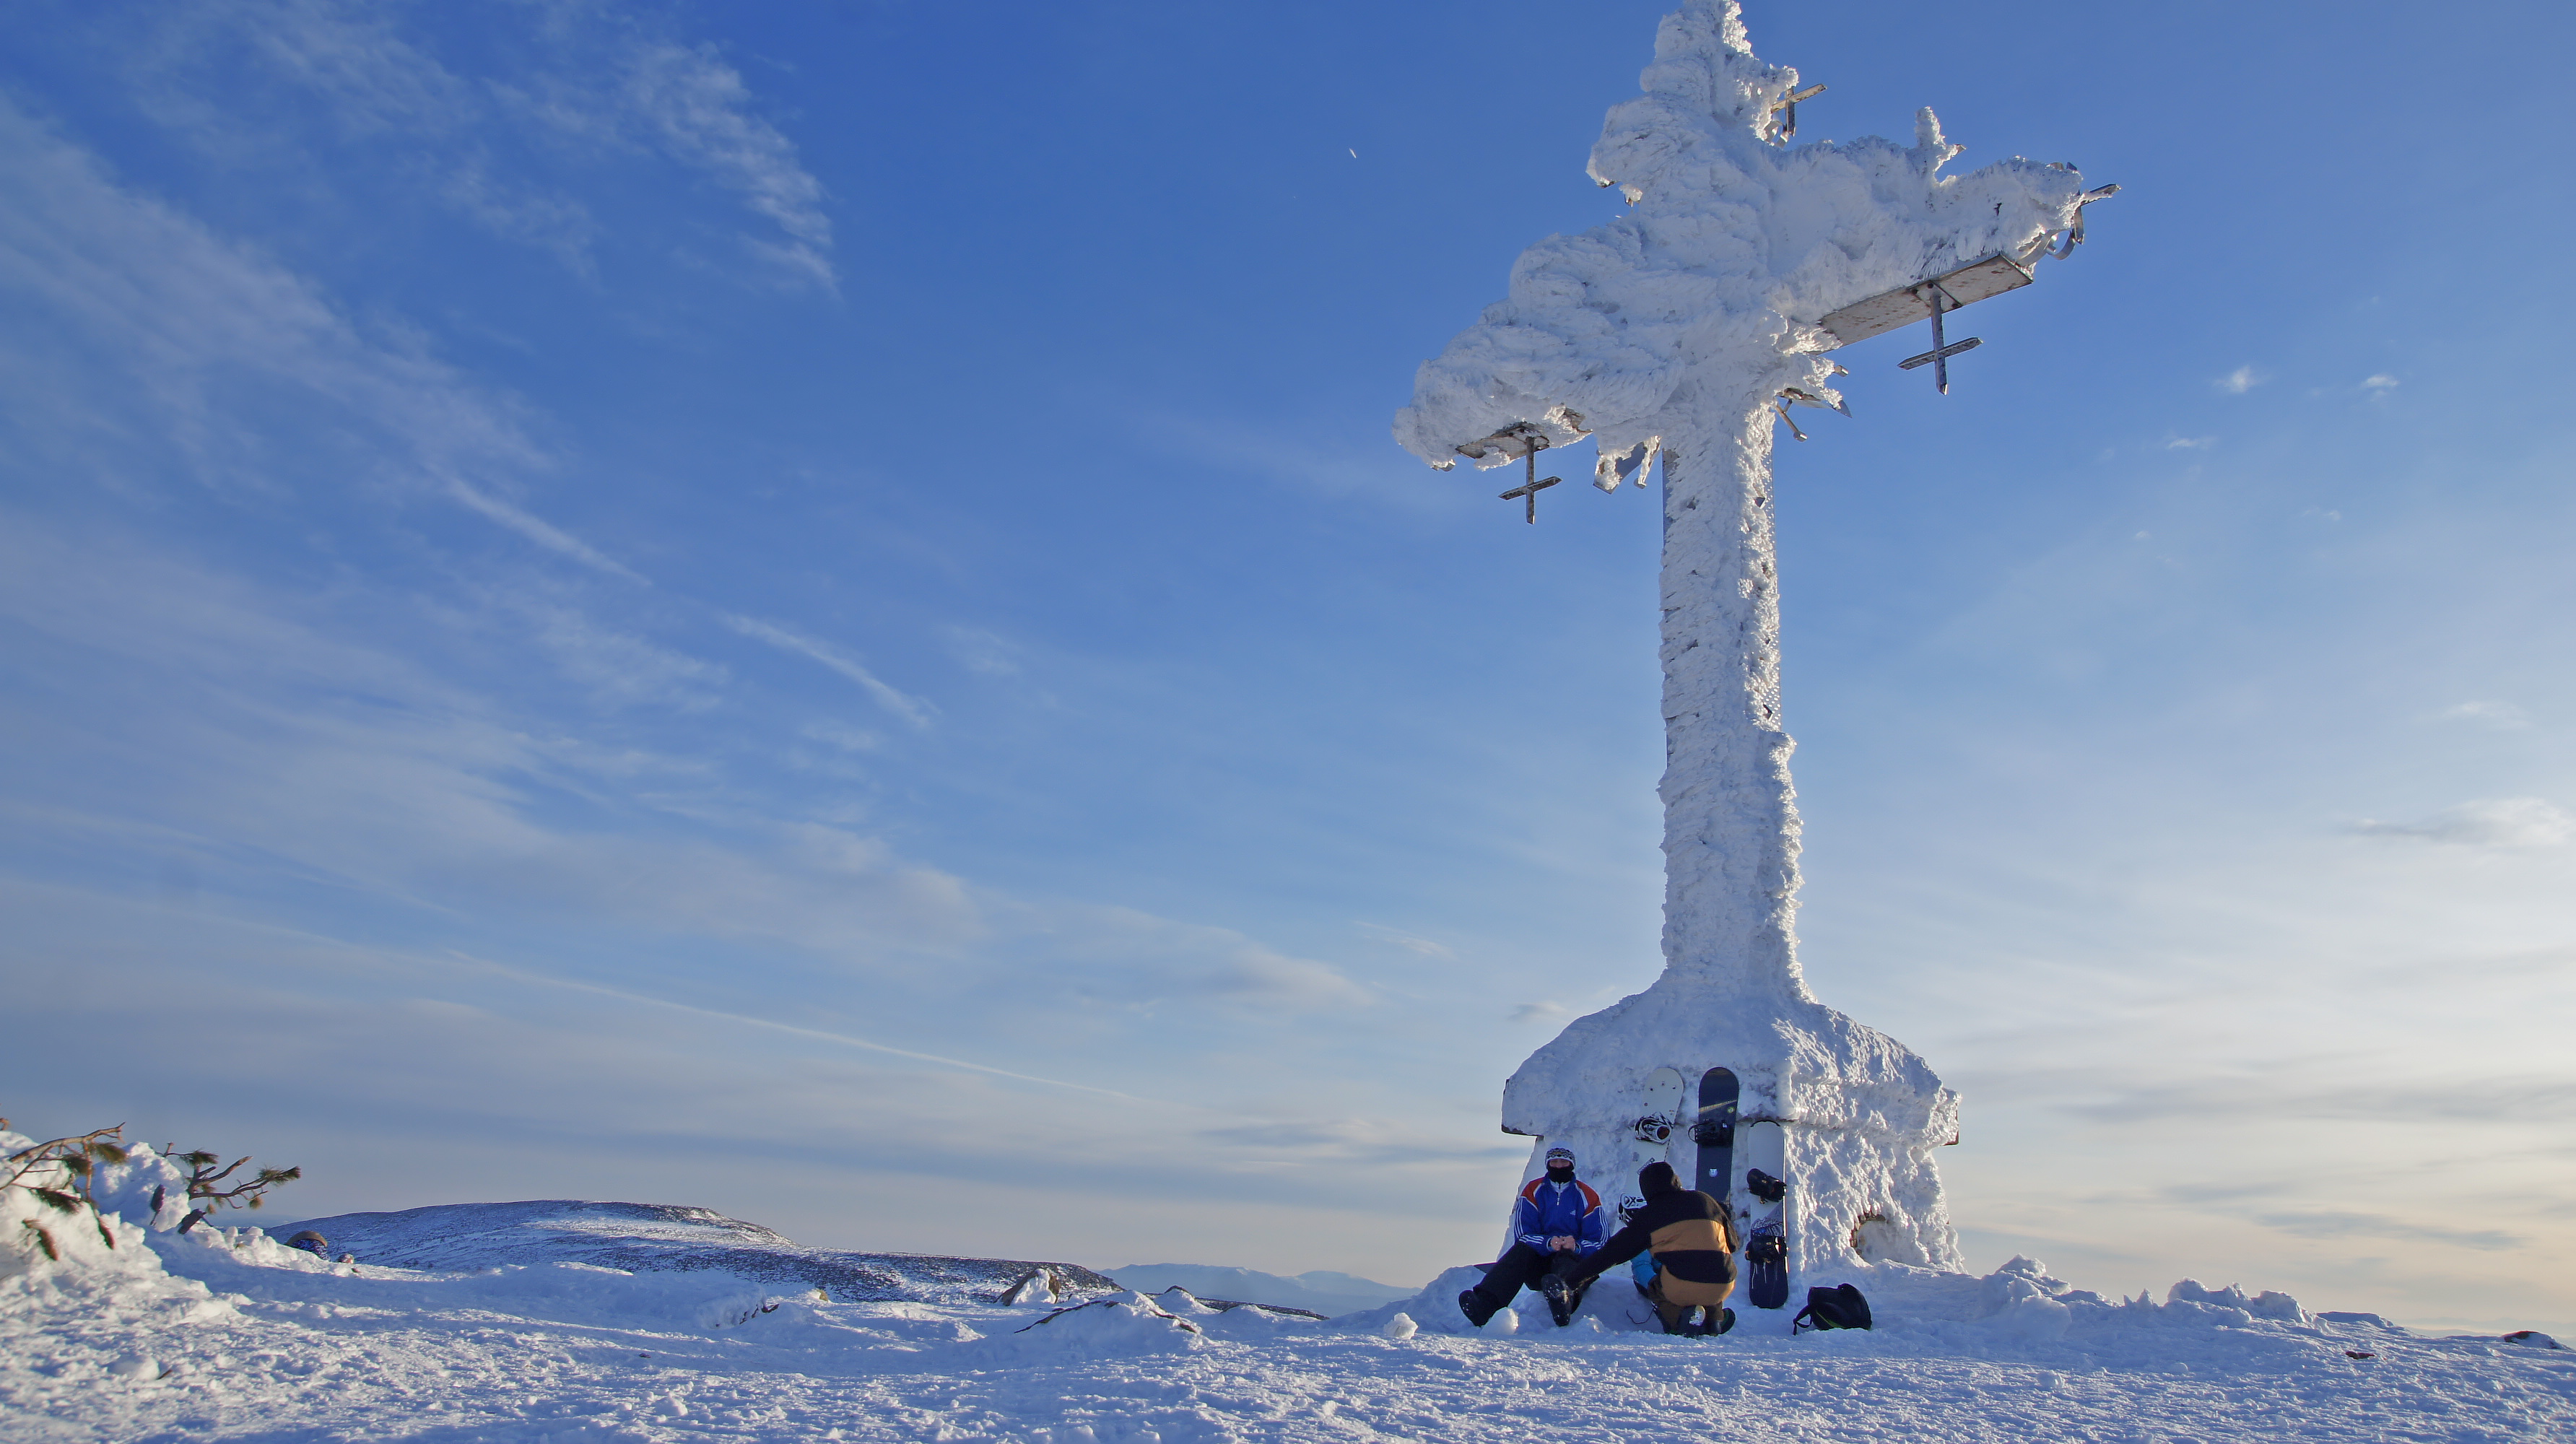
<point x="1940" y="354"/>
<point x="1528" y="490"/>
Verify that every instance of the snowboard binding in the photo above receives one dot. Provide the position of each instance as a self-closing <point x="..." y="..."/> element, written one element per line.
<point x="1763" y="1186"/>
<point x="1561" y="1297"/>
<point x="1653" y="1130"/>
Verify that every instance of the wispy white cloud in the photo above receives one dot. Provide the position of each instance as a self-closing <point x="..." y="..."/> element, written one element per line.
<point x="2504" y="823"/>
<point x="1422" y="947"/>
<point x="195" y="322"/>
<point x="619" y="666"/>
<point x="825" y="1035"/>
<point x="543" y="533"/>
<point x="981" y="651"/>
<point x="700" y="110"/>
<point x="2190" y="443"/>
<point x="909" y="708"/>
<point x="519" y="212"/>
<point x="847" y="738"/>
<point x="598" y="80"/>
<point x="434" y="797"/>
<point x="2503" y="716"/>
<point x="2343" y="1224"/>
<point x="2380" y="381"/>
<point x="2239" y="381"/>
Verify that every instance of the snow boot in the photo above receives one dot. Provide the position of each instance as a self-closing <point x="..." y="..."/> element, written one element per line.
<point x="1475" y="1308"/>
<point x="1560" y="1299"/>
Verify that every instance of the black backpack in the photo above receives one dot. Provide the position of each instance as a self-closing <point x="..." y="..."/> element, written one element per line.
<point x="1839" y="1307"/>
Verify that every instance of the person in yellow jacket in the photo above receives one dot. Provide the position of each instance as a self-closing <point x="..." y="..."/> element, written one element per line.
<point x="1693" y="1241"/>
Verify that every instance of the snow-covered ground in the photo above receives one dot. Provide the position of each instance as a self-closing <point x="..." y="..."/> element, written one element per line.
<point x="228" y="1334"/>
<point x="663" y="1238"/>
<point x="1321" y="1290"/>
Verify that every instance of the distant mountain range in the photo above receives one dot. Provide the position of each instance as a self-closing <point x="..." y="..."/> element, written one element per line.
<point x="667" y="1238"/>
<point x="1321" y="1290"/>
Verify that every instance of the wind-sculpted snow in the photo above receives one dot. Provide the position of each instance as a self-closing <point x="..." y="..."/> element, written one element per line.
<point x="665" y="1238"/>
<point x="1324" y="1292"/>
<point x="103" y="1344"/>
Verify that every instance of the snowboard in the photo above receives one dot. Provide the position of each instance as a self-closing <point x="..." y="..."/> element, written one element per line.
<point x="1765" y="1160"/>
<point x="1713" y="1129"/>
<point x="1661" y="1118"/>
<point x="1662" y="1102"/>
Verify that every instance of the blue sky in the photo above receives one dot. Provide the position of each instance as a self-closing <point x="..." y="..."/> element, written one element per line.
<point x="808" y="609"/>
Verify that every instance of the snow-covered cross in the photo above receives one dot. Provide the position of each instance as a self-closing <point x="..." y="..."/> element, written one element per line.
<point x="1678" y="328"/>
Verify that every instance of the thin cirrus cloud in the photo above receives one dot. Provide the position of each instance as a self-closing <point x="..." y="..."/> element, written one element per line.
<point x="2341" y="1224"/>
<point x="424" y="793"/>
<point x="201" y="331"/>
<point x="911" y="709"/>
<point x="504" y="151"/>
<point x="2503" y="716"/>
<point x="2501" y="823"/>
<point x="536" y="529"/>
<point x="2239" y="381"/>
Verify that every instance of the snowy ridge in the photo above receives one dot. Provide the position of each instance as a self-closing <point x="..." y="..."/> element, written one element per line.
<point x="1321" y="1290"/>
<point x="667" y="1238"/>
<point x="224" y="1334"/>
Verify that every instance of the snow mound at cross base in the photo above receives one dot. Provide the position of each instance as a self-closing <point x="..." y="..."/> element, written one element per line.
<point x="670" y="1238"/>
<point x="2020" y="1304"/>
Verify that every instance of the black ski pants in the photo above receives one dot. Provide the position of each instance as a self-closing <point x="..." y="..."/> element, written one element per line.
<point x="1522" y="1267"/>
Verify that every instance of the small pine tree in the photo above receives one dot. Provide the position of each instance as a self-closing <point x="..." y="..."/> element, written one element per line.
<point x="57" y="1173"/>
<point x="205" y="1193"/>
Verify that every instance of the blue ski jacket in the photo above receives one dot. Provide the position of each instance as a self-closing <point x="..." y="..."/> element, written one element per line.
<point x="1552" y="1210"/>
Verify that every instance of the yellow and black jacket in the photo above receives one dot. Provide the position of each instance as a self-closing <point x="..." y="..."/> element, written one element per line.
<point x="1689" y="1233"/>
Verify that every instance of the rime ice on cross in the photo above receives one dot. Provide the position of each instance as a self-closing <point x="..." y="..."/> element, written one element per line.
<point x="1675" y="329"/>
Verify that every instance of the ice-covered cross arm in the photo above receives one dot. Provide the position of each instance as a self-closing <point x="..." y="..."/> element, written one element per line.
<point x="1713" y="288"/>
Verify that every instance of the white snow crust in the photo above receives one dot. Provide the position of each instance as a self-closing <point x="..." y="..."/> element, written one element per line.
<point x="227" y="1335"/>
<point x="1672" y="330"/>
<point x="1320" y="1290"/>
<point x="659" y="1238"/>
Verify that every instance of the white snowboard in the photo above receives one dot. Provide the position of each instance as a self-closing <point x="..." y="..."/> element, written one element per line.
<point x="1763" y="1147"/>
<point x="1658" y="1123"/>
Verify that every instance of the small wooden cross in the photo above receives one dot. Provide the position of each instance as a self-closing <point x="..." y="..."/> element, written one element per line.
<point x="1940" y="354"/>
<point x="1528" y="491"/>
<point x="1789" y="104"/>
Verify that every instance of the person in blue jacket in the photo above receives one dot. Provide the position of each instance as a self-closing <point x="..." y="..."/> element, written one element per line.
<point x="1556" y="1226"/>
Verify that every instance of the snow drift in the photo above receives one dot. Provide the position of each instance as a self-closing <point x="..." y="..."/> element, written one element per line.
<point x="666" y="1238"/>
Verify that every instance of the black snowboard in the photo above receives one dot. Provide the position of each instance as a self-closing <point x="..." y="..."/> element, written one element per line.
<point x="1713" y="1129"/>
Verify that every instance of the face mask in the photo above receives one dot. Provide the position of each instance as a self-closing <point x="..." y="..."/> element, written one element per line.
<point x="1560" y="1174"/>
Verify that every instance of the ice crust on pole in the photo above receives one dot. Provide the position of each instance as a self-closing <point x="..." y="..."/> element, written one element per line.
<point x="1675" y="326"/>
